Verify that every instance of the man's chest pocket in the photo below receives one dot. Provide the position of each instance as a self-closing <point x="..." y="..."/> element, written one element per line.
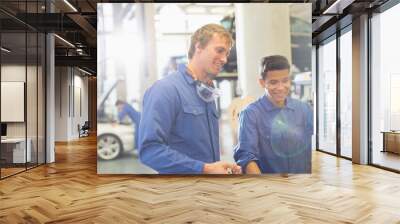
<point x="191" y="119"/>
<point x="193" y="111"/>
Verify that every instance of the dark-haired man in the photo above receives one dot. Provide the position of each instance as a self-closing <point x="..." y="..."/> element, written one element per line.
<point x="275" y="131"/>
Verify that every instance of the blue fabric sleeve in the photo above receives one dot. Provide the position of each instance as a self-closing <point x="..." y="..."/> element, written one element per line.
<point x="161" y="105"/>
<point x="309" y="120"/>
<point x="133" y="114"/>
<point x="122" y="113"/>
<point x="309" y="131"/>
<point x="246" y="150"/>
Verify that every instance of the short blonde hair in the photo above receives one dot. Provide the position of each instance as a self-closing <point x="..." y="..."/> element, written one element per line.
<point x="204" y="34"/>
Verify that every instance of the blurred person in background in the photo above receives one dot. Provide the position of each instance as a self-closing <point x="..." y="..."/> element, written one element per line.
<point x="125" y="109"/>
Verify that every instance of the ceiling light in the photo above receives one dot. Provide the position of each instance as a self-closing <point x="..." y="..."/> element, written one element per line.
<point x="70" y="5"/>
<point x="195" y="10"/>
<point x="84" y="71"/>
<point x="214" y="4"/>
<point x="65" y="41"/>
<point x="331" y="7"/>
<point x="222" y="10"/>
<point x="338" y="6"/>
<point x="5" y="50"/>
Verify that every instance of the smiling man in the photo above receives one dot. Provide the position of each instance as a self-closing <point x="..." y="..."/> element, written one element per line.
<point x="178" y="132"/>
<point x="275" y="131"/>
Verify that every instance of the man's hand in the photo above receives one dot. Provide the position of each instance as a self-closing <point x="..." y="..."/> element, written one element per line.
<point x="236" y="169"/>
<point x="252" y="168"/>
<point x="221" y="167"/>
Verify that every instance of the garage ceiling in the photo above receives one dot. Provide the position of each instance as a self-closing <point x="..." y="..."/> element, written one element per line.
<point x="75" y="21"/>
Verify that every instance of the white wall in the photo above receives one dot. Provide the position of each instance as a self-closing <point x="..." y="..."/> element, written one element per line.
<point x="71" y="94"/>
<point x="13" y="73"/>
<point x="33" y="126"/>
<point x="61" y="103"/>
<point x="80" y="109"/>
<point x="270" y="25"/>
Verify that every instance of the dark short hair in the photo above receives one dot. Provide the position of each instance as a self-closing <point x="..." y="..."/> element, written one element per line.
<point x="272" y="63"/>
<point x="119" y="102"/>
<point x="204" y="34"/>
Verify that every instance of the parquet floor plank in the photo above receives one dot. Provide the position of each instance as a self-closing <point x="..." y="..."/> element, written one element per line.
<point x="70" y="191"/>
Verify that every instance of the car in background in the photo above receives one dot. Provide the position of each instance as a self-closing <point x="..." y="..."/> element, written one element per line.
<point x="114" y="139"/>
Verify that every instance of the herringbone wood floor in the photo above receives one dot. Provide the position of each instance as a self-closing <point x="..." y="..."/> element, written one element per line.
<point x="70" y="191"/>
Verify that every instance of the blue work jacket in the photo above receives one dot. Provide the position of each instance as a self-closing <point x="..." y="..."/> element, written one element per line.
<point x="277" y="139"/>
<point x="178" y="131"/>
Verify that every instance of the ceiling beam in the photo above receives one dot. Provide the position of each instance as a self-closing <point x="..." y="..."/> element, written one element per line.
<point x="83" y="61"/>
<point x="86" y="27"/>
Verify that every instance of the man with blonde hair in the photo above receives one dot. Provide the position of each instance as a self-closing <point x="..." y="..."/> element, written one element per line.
<point x="178" y="132"/>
